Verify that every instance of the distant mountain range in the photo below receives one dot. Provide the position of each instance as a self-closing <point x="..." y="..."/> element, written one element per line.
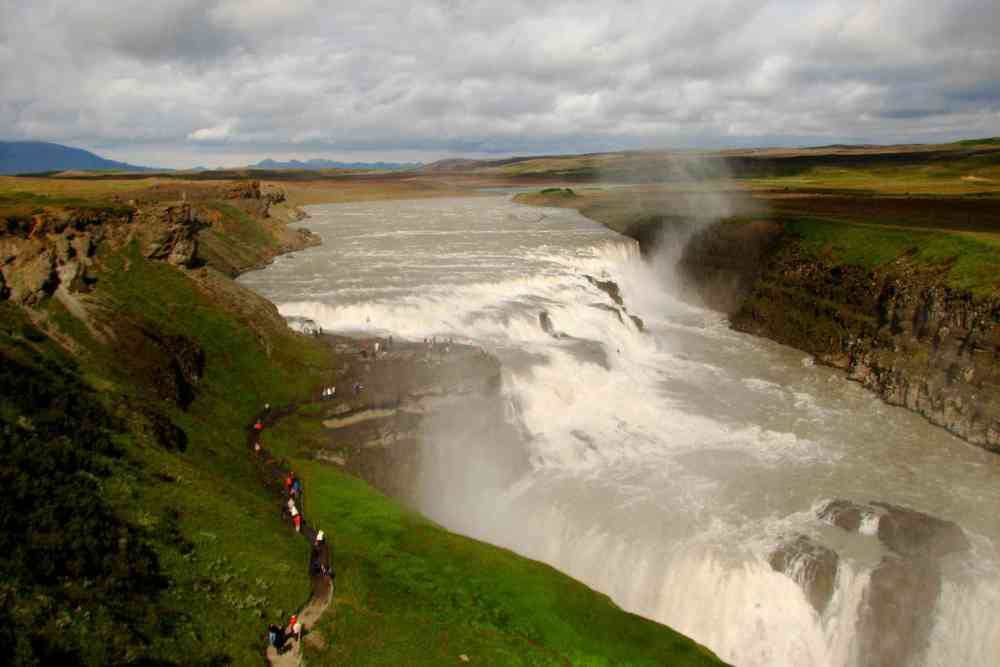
<point x="30" y="157"/>
<point x="332" y="164"/>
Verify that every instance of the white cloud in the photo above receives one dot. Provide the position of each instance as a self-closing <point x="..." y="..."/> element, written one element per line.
<point x="220" y="78"/>
<point x="219" y="132"/>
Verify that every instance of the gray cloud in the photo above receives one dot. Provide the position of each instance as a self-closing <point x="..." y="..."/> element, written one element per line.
<point x="214" y="81"/>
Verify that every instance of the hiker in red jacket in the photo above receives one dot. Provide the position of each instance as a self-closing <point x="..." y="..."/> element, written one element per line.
<point x="295" y="628"/>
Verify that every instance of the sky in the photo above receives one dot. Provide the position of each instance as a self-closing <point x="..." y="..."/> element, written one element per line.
<point x="180" y="83"/>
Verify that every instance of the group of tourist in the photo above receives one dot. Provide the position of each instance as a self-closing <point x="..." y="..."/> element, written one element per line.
<point x="434" y="345"/>
<point x="280" y="636"/>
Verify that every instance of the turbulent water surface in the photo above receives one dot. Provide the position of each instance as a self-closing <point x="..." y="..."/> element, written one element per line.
<point x="662" y="467"/>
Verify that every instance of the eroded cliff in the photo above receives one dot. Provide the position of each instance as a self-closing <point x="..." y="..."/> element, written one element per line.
<point x="898" y="330"/>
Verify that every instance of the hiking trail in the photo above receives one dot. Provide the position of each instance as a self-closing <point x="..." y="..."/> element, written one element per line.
<point x="322" y="584"/>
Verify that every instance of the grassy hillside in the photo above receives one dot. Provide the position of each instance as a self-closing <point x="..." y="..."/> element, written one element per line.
<point x="137" y="529"/>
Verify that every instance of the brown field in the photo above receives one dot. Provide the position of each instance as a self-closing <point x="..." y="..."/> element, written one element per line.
<point x="952" y="187"/>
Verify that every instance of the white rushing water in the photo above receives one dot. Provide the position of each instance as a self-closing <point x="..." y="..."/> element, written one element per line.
<point x="663" y="466"/>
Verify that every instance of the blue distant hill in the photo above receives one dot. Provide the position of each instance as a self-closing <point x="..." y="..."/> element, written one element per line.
<point x="332" y="164"/>
<point x="30" y="157"/>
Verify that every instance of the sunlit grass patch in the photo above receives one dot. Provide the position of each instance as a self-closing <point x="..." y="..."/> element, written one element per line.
<point x="408" y="592"/>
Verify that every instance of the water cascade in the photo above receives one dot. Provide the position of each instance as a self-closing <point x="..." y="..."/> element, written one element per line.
<point x="682" y="468"/>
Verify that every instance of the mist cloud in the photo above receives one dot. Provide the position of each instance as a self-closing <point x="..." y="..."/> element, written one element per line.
<point x="185" y="81"/>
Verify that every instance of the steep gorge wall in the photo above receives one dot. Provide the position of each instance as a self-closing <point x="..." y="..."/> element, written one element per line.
<point x="898" y="330"/>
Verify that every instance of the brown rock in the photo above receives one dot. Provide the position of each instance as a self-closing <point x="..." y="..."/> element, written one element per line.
<point x="906" y="531"/>
<point x="897" y="612"/>
<point x="812" y="566"/>
<point x="32" y="277"/>
<point x="609" y="287"/>
<point x="545" y="322"/>
<point x="169" y="233"/>
<point x="912" y="533"/>
<point x="844" y="514"/>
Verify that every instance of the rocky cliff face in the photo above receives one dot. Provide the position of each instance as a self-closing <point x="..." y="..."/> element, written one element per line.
<point x="897" y="330"/>
<point x="54" y="249"/>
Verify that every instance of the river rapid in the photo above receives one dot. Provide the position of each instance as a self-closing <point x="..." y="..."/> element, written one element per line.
<point x="663" y="466"/>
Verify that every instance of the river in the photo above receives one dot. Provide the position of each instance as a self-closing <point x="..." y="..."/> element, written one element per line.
<point x="663" y="466"/>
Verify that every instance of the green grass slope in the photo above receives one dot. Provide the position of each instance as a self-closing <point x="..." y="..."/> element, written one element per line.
<point x="206" y="557"/>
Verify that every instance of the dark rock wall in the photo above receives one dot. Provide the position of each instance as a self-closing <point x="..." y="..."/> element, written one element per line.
<point x="897" y="330"/>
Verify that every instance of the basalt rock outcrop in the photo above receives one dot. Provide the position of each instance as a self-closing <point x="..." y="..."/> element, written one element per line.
<point x="811" y="565"/>
<point x="897" y="330"/>
<point x="896" y="614"/>
<point x="905" y="531"/>
<point x="611" y="288"/>
<point x="897" y="611"/>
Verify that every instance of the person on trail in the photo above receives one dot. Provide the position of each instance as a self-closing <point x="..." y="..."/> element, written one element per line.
<point x="292" y="509"/>
<point x="258" y="425"/>
<point x="275" y="636"/>
<point x="297" y="521"/>
<point x="256" y="447"/>
<point x="320" y="536"/>
<point x="288" y="484"/>
<point x="296" y="486"/>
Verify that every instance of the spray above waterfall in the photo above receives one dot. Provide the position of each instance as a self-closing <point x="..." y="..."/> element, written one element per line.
<point x="681" y="210"/>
